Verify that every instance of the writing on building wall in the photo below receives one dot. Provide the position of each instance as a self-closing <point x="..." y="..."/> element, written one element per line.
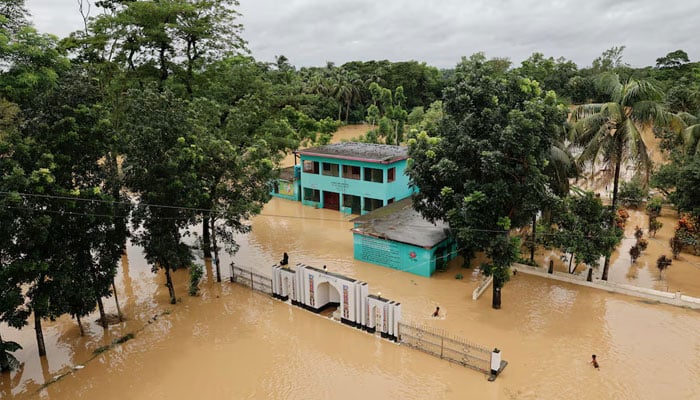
<point x="378" y="251"/>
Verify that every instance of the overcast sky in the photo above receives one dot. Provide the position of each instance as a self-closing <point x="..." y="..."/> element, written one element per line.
<point x="439" y="32"/>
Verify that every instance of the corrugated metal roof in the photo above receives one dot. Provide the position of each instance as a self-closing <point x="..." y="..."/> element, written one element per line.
<point x="370" y="152"/>
<point x="401" y="223"/>
<point x="287" y="173"/>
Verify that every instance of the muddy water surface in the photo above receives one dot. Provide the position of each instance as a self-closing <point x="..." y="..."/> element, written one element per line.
<point x="232" y="343"/>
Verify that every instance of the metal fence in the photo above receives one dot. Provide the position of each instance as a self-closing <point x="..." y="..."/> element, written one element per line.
<point x="251" y="279"/>
<point x="451" y="348"/>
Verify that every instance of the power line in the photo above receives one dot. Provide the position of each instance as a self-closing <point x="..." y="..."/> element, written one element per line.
<point x="212" y="211"/>
<point x="111" y="202"/>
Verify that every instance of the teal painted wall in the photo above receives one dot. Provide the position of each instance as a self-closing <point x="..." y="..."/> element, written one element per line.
<point x="394" y="255"/>
<point x="397" y="190"/>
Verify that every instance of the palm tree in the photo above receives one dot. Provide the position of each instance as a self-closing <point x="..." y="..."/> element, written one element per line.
<point x="610" y="132"/>
<point x="559" y="170"/>
<point x="690" y="135"/>
<point x="346" y="90"/>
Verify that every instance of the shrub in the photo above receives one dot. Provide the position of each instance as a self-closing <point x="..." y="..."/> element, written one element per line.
<point x="196" y="272"/>
<point x="654" y="207"/>
<point x="642" y="243"/>
<point x="638" y="233"/>
<point x="632" y="194"/>
<point x="676" y="246"/>
<point x="622" y="217"/>
<point x="654" y="226"/>
<point x="662" y="263"/>
<point x="635" y="252"/>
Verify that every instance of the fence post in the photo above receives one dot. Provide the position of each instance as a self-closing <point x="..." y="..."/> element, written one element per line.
<point x="442" y="345"/>
<point x="251" y="280"/>
<point x="495" y="364"/>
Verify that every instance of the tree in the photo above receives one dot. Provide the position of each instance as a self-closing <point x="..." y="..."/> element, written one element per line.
<point x="673" y="59"/>
<point x="158" y="40"/>
<point x="346" y="90"/>
<point x="610" y="132"/>
<point x="688" y="187"/>
<point x="388" y="112"/>
<point x="632" y="193"/>
<point x="582" y="227"/>
<point x="550" y="73"/>
<point x="160" y="168"/>
<point x="483" y="172"/>
<point x="610" y="60"/>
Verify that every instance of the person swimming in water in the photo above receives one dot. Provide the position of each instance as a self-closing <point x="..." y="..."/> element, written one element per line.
<point x="437" y="312"/>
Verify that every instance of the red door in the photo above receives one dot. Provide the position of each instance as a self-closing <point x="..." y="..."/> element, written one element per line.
<point x="331" y="201"/>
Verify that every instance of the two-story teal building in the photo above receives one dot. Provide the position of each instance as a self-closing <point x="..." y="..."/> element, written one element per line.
<point x="354" y="178"/>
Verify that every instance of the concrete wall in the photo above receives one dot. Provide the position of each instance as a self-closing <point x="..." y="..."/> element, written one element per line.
<point x="676" y="299"/>
<point x="388" y="253"/>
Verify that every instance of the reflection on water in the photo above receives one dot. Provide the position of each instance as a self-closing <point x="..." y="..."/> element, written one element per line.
<point x="231" y="342"/>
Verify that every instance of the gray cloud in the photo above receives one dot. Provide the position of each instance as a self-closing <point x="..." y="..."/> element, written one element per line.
<point x="440" y="32"/>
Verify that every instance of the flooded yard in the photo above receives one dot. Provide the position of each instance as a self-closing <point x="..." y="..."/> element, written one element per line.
<point x="231" y="342"/>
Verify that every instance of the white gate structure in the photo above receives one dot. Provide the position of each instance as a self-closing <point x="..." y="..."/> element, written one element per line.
<point x="316" y="289"/>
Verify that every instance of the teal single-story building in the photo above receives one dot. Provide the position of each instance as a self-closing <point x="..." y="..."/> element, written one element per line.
<point x="397" y="236"/>
<point x="288" y="184"/>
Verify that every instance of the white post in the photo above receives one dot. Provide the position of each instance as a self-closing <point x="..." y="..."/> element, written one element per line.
<point x="495" y="361"/>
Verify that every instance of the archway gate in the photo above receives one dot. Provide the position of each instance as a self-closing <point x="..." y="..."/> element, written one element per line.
<point x="316" y="289"/>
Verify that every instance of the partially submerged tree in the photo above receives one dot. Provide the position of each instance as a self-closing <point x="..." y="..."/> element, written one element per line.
<point x="611" y="132"/>
<point x="662" y="263"/>
<point x="483" y="173"/>
<point x="582" y="227"/>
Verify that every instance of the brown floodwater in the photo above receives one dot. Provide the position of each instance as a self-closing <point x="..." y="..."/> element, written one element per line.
<point x="233" y="343"/>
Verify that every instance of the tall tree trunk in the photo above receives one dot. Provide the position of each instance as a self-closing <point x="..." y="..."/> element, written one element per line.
<point x="340" y="110"/>
<point x="347" y="112"/>
<point x="532" y="245"/>
<point x="116" y="300"/>
<point x="39" y="335"/>
<point x="616" y="181"/>
<point x="169" y="284"/>
<point x="496" y="300"/>
<point x="206" y="241"/>
<point x="80" y="325"/>
<point x="571" y="261"/>
<point x="4" y="362"/>
<point x="216" y="249"/>
<point x="103" y="317"/>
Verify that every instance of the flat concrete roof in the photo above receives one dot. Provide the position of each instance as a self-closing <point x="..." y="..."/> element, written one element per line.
<point x="368" y="152"/>
<point x="401" y="223"/>
<point x="331" y="273"/>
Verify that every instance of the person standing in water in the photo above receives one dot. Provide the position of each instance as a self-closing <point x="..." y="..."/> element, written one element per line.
<point x="594" y="362"/>
<point x="285" y="259"/>
<point x="437" y="312"/>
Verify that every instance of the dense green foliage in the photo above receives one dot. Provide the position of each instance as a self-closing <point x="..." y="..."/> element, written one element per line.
<point x="484" y="169"/>
<point x="581" y="226"/>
